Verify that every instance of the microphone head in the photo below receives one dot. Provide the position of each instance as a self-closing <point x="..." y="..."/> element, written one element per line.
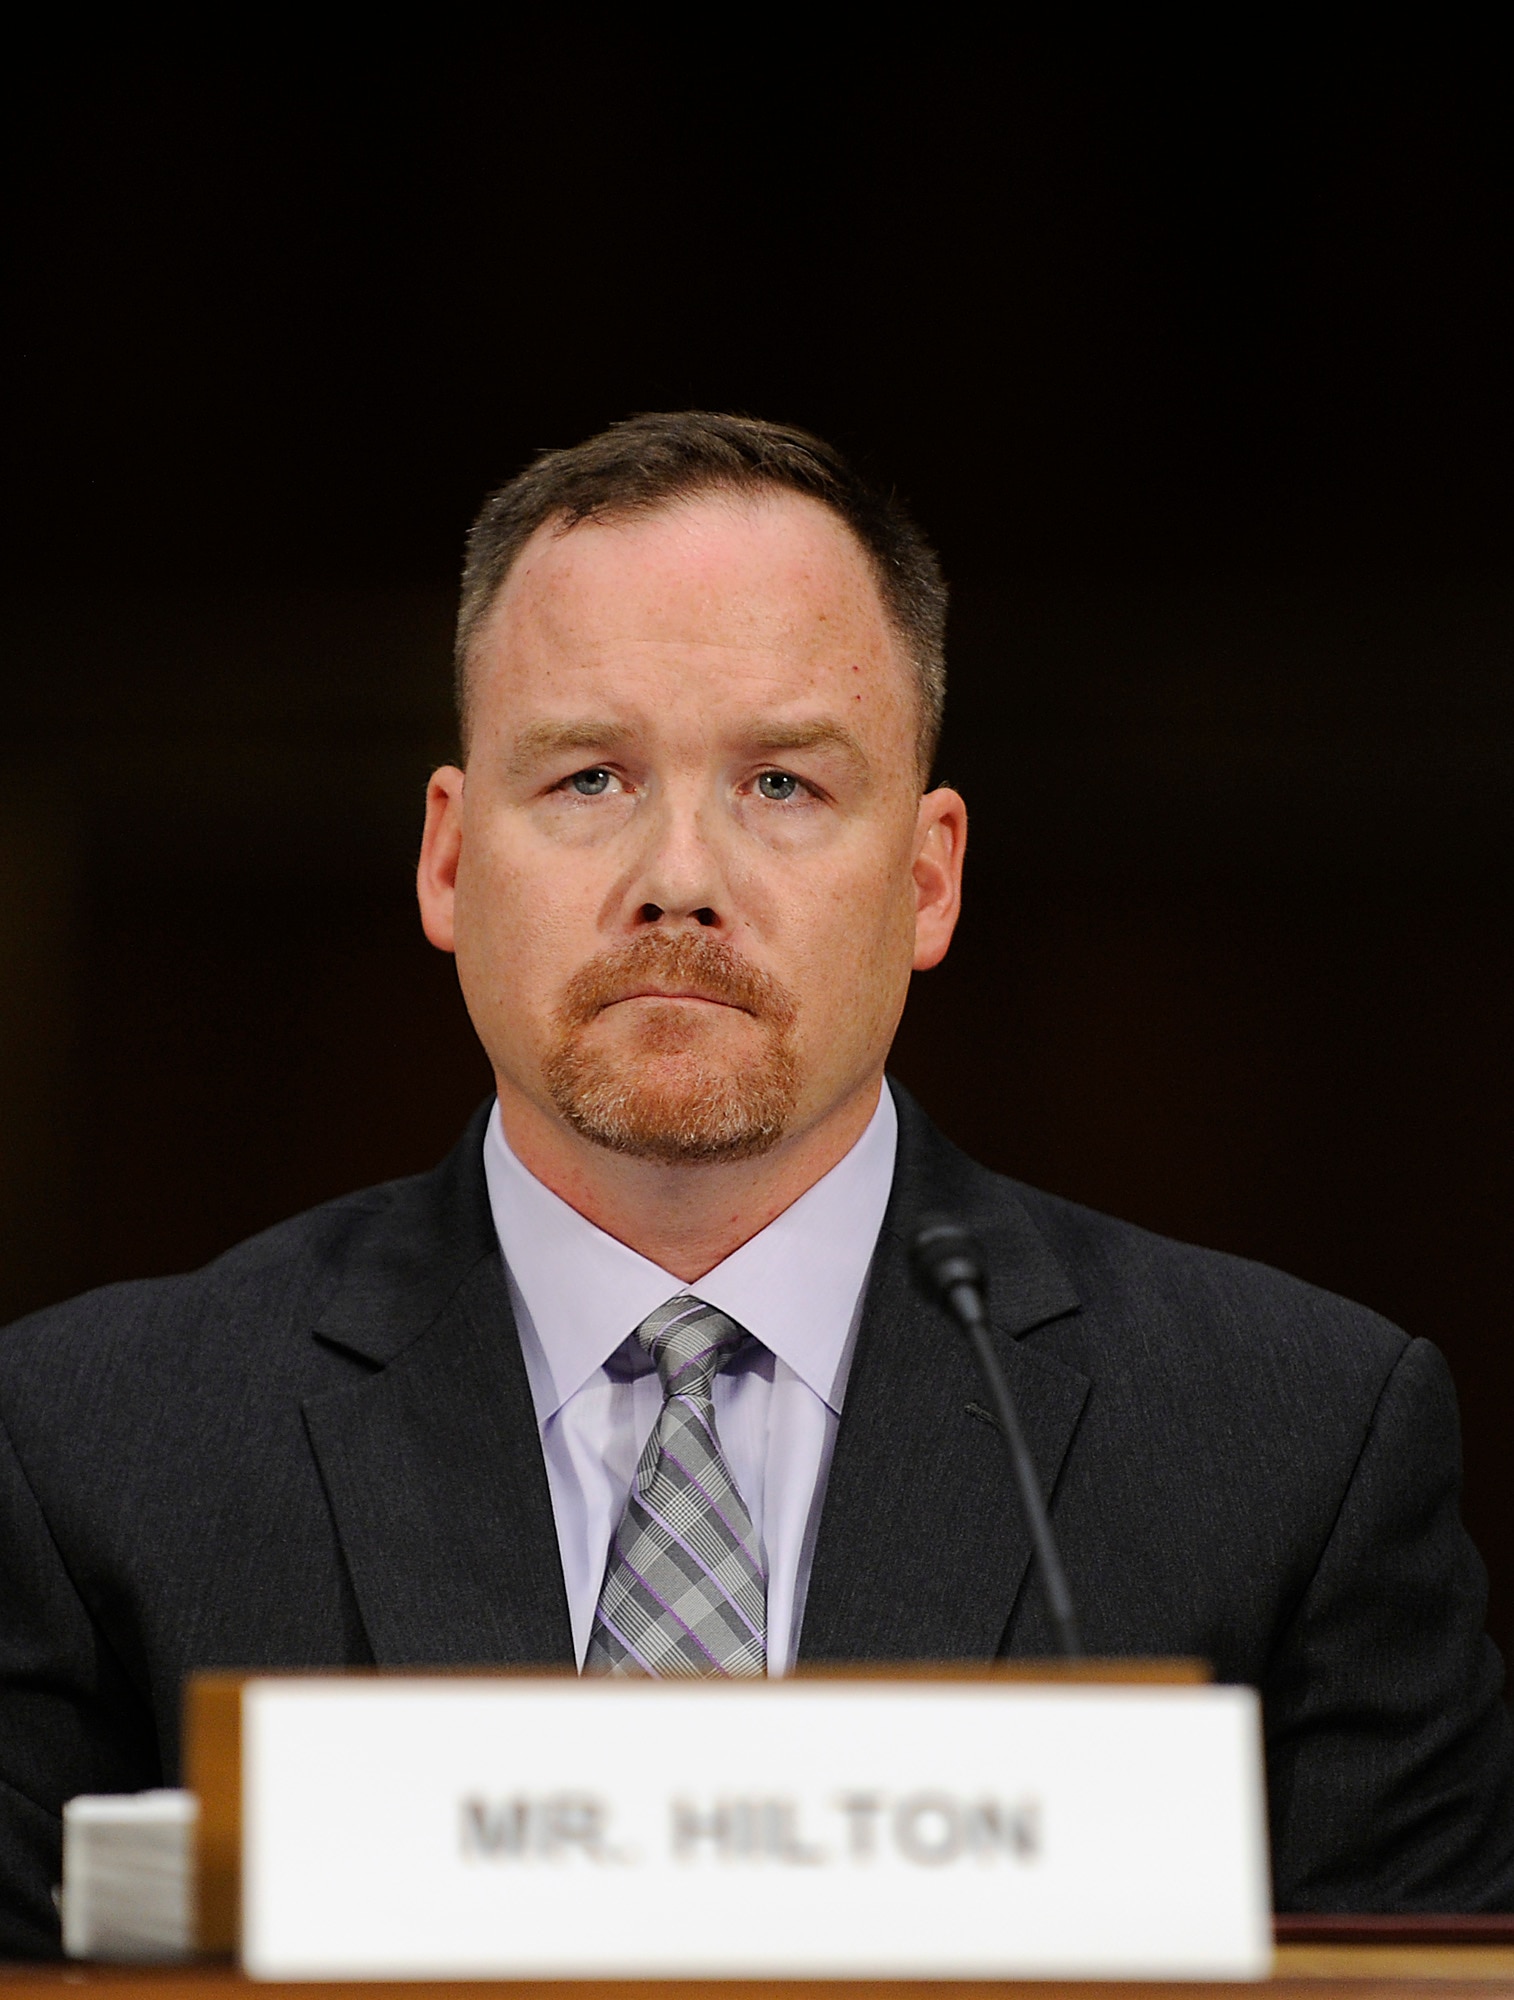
<point x="945" y="1255"/>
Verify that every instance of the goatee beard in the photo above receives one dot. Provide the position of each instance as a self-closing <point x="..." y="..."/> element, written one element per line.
<point x="668" y="1097"/>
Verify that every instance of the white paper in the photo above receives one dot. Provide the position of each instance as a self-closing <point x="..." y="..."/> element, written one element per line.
<point x="128" y="1876"/>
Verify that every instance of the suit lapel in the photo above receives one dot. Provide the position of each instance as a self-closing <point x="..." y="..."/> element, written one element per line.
<point x="431" y="1462"/>
<point x="922" y="1549"/>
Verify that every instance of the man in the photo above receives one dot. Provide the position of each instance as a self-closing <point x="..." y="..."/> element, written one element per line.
<point x="639" y="1377"/>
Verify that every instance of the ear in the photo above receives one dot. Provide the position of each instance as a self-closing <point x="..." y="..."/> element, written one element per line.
<point x="441" y="851"/>
<point x="940" y="843"/>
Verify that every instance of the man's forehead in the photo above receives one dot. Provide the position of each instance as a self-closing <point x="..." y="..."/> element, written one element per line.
<point x="780" y="572"/>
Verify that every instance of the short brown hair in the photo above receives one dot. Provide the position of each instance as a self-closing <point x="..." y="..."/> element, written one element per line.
<point x="650" y="461"/>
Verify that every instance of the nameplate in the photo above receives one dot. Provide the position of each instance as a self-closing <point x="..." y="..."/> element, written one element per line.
<point x="869" y="1828"/>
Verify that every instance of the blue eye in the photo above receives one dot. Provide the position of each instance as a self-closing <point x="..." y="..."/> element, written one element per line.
<point x="589" y="784"/>
<point x="777" y="785"/>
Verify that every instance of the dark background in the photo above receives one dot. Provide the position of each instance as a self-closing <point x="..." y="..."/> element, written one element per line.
<point x="1194" y="356"/>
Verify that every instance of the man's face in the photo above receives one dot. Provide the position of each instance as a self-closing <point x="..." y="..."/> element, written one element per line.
<point x="683" y="875"/>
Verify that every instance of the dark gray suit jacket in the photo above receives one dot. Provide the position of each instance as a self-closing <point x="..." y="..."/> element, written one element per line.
<point x="321" y="1450"/>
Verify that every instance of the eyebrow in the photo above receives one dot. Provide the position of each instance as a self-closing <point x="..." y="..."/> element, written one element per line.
<point x="551" y="739"/>
<point x="810" y="736"/>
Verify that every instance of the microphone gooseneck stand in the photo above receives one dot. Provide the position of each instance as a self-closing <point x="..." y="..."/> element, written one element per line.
<point x="950" y="1268"/>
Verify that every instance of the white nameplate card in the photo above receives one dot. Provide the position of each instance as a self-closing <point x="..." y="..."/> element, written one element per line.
<point x="850" y="1828"/>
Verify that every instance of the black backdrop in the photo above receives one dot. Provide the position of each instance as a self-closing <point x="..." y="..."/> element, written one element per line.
<point x="1194" y="356"/>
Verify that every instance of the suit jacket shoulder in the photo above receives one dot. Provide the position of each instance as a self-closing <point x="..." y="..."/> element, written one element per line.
<point x="318" y="1450"/>
<point x="1240" y="1467"/>
<point x="282" y="1277"/>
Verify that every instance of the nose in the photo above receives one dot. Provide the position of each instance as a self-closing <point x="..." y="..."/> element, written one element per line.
<point x="679" y="880"/>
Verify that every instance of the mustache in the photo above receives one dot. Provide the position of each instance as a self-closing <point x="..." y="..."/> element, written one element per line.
<point x="685" y="961"/>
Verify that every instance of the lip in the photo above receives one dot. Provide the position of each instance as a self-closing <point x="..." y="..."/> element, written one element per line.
<point x="680" y="993"/>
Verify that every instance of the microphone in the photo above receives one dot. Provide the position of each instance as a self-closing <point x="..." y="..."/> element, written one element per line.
<point x="949" y="1266"/>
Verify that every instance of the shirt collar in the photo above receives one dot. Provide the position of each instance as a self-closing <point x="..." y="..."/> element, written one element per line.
<point x="796" y="1285"/>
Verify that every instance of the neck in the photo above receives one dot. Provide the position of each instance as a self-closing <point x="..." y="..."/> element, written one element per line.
<point x="687" y="1219"/>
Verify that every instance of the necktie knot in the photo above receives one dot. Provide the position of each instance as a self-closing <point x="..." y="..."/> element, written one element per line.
<point x="690" y="1342"/>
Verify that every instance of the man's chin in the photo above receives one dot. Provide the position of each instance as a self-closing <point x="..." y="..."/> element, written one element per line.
<point x="676" y="1109"/>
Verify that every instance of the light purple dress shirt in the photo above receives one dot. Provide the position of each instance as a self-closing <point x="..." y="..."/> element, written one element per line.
<point x="797" y="1287"/>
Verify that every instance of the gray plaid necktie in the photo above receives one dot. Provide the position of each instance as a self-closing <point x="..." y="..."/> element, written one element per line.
<point x="684" y="1592"/>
